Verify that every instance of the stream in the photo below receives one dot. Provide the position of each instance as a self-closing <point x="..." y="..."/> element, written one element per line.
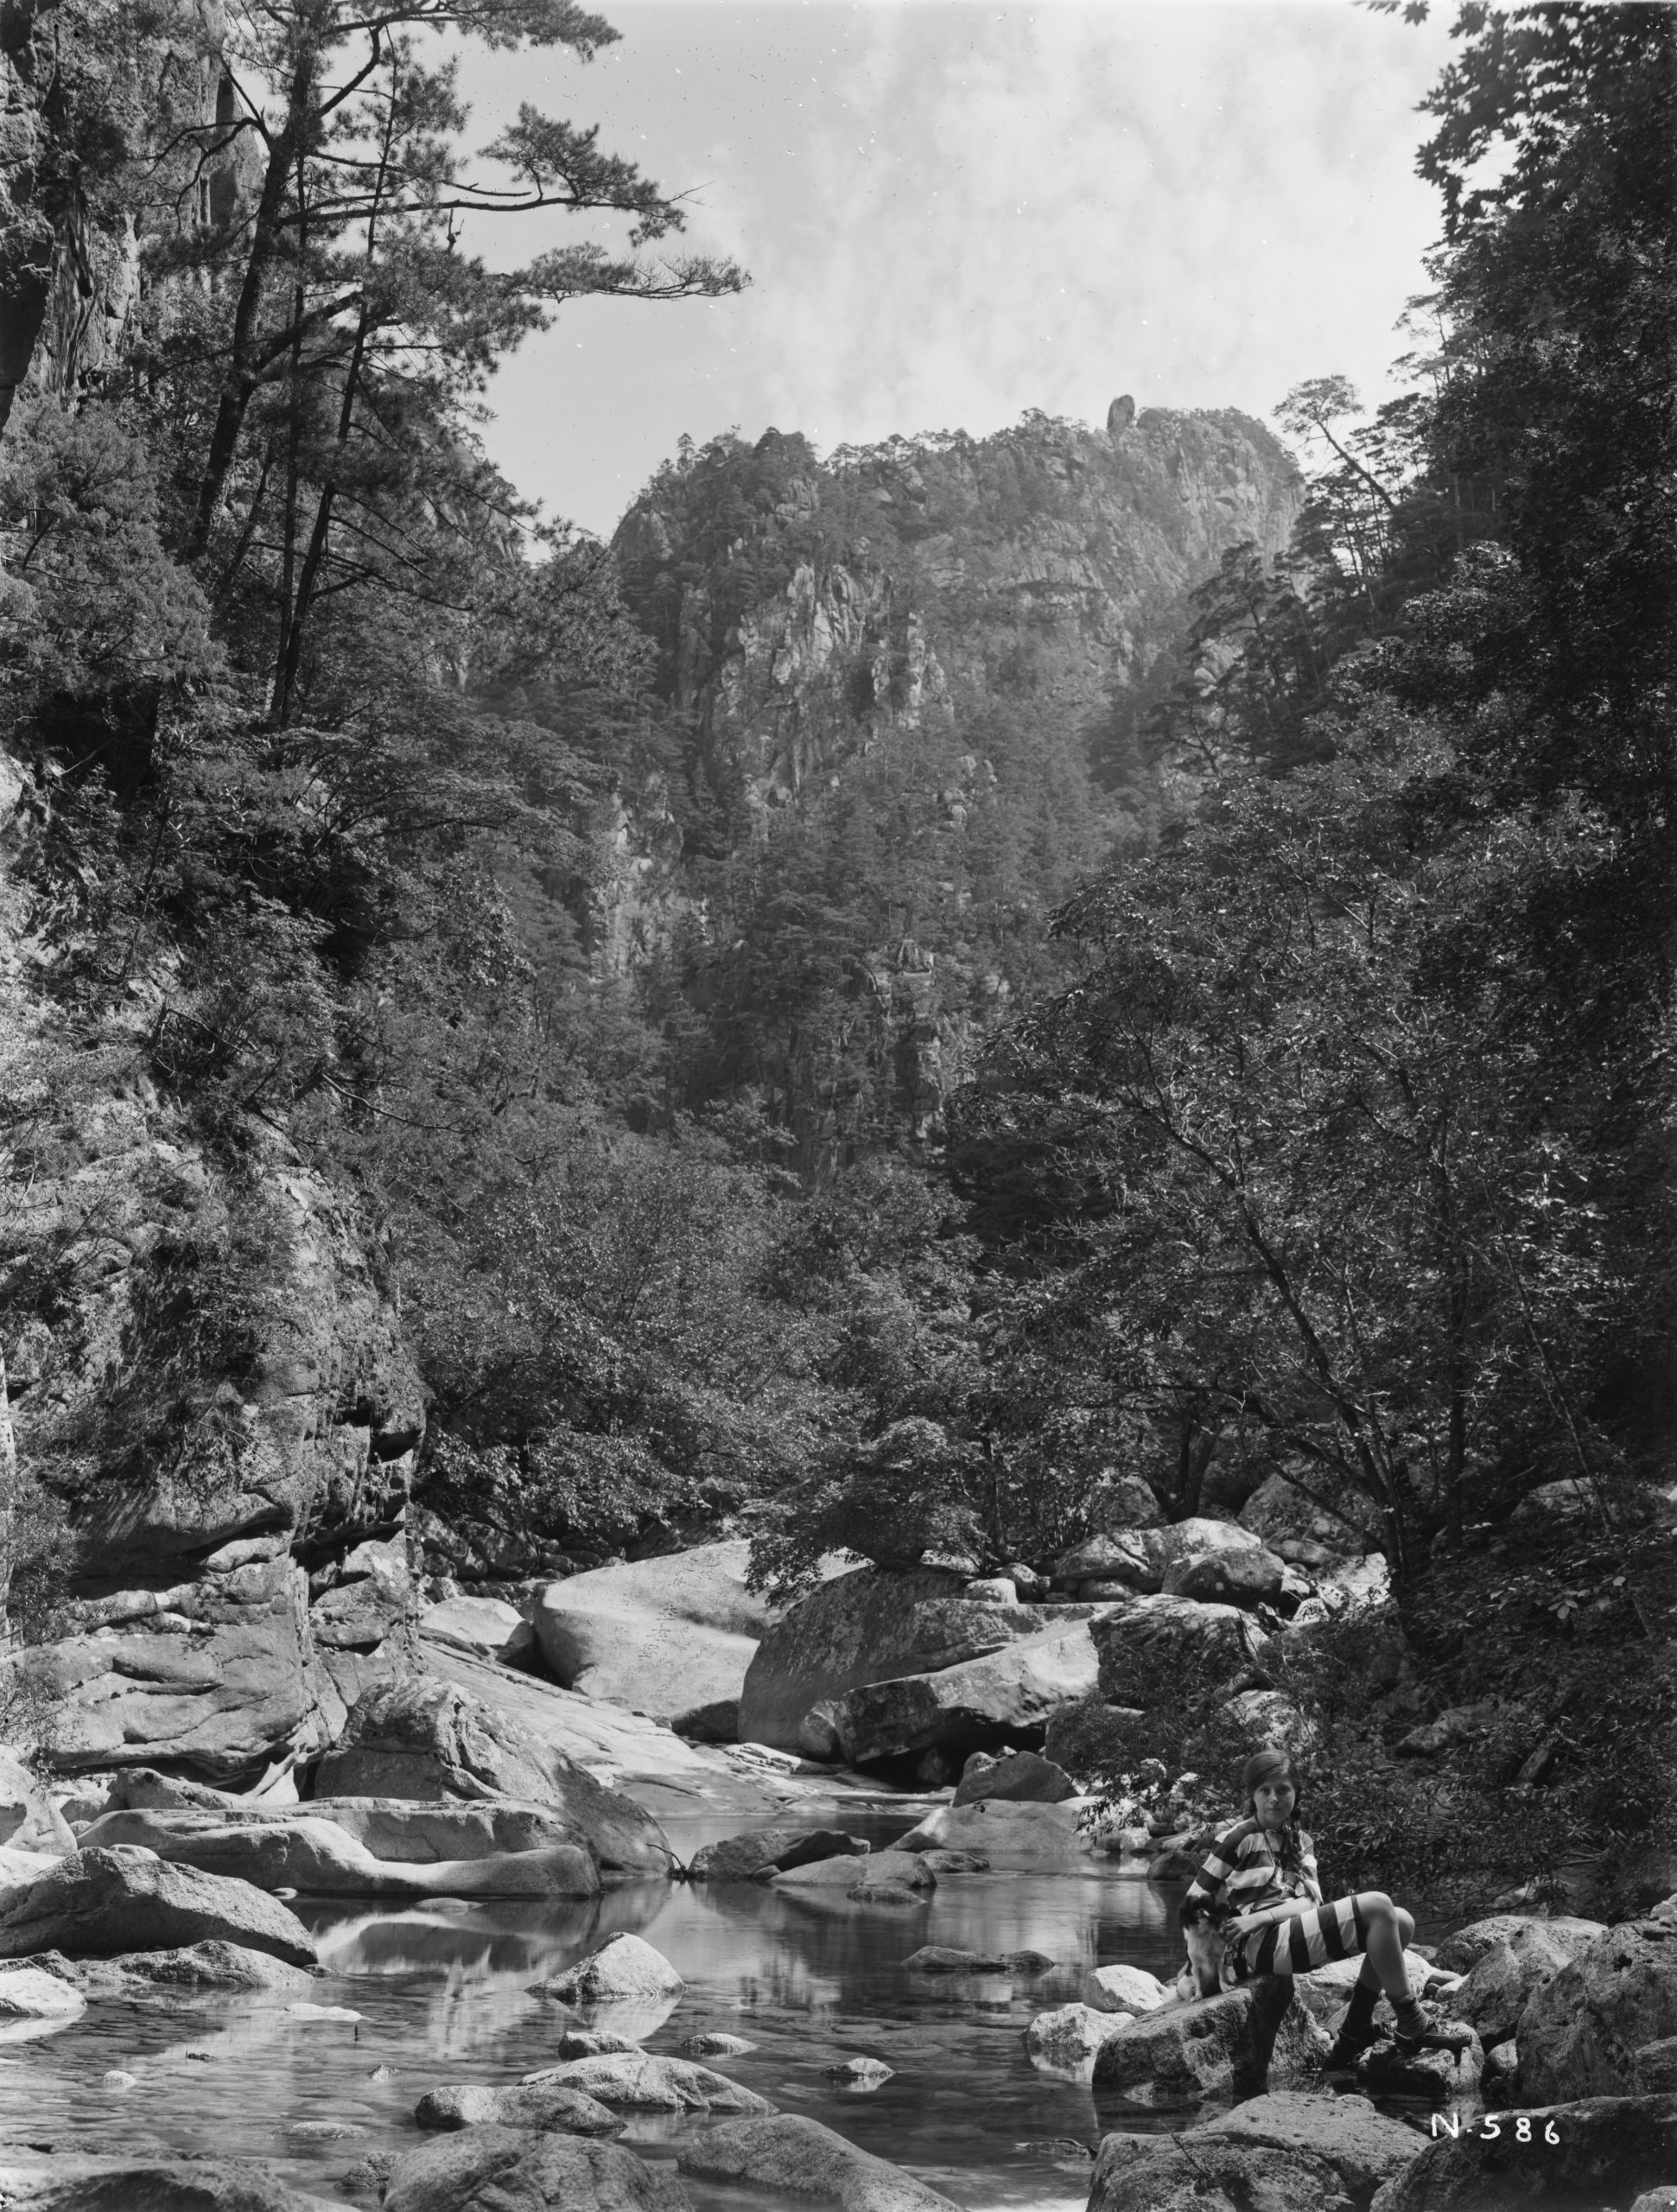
<point x="442" y="1990"/>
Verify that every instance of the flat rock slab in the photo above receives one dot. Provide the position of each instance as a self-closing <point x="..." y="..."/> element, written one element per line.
<point x="640" y="2081"/>
<point x="104" y="1903"/>
<point x="547" y="2106"/>
<point x="937" y="1958"/>
<point x="1609" y="2151"/>
<point x="804" y="2163"/>
<point x="515" y="2169"/>
<point x="771" y="1851"/>
<point x="623" y="1970"/>
<point x="74" y="2183"/>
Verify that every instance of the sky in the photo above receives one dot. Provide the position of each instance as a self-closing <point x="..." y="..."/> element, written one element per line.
<point x="952" y="212"/>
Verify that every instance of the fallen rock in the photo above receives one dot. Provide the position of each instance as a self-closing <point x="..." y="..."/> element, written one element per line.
<point x="1462" y="1952"/>
<point x="1236" y="2043"/>
<point x="317" y="1857"/>
<point x="803" y="2162"/>
<point x="1022" y="1839"/>
<point x="938" y="1958"/>
<point x="1070" y="2037"/>
<point x="1024" y="1777"/>
<point x="426" y="1739"/>
<point x="1296" y="2154"/>
<point x="882" y="1870"/>
<point x="660" y="1636"/>
<point x="1597" y="2150"/>
<point x="623" y="1970"/>
<point x="1001" y="1698"/>
<point x="1494" y="1993"/>
<point x="1124" y="1989"/>
<point x="102" y="1903"/>
<point x="864" y="1627"/>
<point x="642" y="2081"/>
<point x="1580" y="2030"/>
<point x="1247" y="1579"/>
<point x="487" y="1627"/>
<point x="517" y="2170"/>
<point x="743" y="1858"/>
<point x="713" y="2043"/>
<point x="541" y="2105"/>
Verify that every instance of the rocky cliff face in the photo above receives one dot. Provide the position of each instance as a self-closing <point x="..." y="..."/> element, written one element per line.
<point x="823" y="624"/>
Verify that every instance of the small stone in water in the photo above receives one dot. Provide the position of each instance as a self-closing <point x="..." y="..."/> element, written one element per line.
<point x="203" y="2057"/>
<point x="714" y="2046"/>
<point x="872" y="2071"/>
<point x="304" y="2011"/>
<point x="323" y="2131"/>
<point x="384" y="2074"/>
<point x="285" y="1896"/>
<point x="1060" y="2151"/>
<point x="116" y="2078"/>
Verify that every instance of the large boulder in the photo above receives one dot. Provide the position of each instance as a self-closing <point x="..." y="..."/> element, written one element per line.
<point x="102" y="1903"/>
<point x="426" y="1739"/>
<point x="1365" y="2148"/>
<point x="1581" y="2029"/>
<point x="1006" y="1697"/>
<point x="1461" y="1952"/>
<point x="853" y="1878"/>
<point x="868" y="1626"/>
<point x="624" y="1970"/>
<point x="519" y="2170"/>
<point x="1124" y="1502"/>
<point x="1236" y="2043"/>
<point x="541" y="2104"/>
<point x="1199" y="1637"/>
<point x="642" y="2081"/>
<point x="1023" y="1778"/>
<point x="1022" y="1839"/>
<point x="1250" y="1579"/>
<point x="1494" y="1993"/>
<point x="1125" y="1989"/>
<point x="321" y="1859"/>
<point x="1290" y="2151"/>
<point x="487" y="1628"/>
<point x="1601" y="2150"/>
<point x="1119" y="1558"/>
<point x="661" y="1636"/>
<point x="771" y="1851"/>
<point x="798" y="2161"/>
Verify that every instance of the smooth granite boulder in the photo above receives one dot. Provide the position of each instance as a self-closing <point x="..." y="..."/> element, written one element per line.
<point x="426" y="1739"/>
<point x="661" y="1636"/>
<point x="517" y="2170"/>
<point x="1023" y="1778"/>
<point x="642" y="2081"/>
<point x="103" y="1902"/>
<point x="1067" y="2038"/>
<point x="1580" y="2031"/>
<point x="29" y="1992"/>
<point x="545" y="2106"/>
<point x="1595" y="2151"/>
<point x="29" y="1820"/>
<point x="624" y="1970"/>
<point x="1247" y="1579"/>
<point x="795" y="2161"/>
<point x="859" y="1879"/>
<point x="317" y="1857"/>
<point x="487" y="1628"/>
<point x="1006" y="1697"/>
<point x="1238" y="2042"/>
<point x="1125" y="1989"/>
<point x="771" y="1851"/>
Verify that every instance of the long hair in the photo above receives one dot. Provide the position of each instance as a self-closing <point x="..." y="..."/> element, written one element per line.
<point x="1264" y="1766"/>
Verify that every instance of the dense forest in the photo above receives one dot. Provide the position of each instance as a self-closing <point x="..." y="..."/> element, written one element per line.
<point x="874" y="1119"/>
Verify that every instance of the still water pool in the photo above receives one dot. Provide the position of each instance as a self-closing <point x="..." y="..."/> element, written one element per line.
<point x="442" y="1993"/>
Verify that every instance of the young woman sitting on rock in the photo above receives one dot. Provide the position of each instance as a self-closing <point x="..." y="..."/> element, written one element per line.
<point x="1257" y="1901"/>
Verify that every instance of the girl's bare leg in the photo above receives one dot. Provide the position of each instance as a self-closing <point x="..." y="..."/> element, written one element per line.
<point x="1389" y="1929"/>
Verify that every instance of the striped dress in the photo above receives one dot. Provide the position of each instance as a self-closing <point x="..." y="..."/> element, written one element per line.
<point x="1243" y="1875"/>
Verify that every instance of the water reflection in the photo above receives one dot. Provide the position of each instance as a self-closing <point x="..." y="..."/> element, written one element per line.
<point x="443" y="1992"/>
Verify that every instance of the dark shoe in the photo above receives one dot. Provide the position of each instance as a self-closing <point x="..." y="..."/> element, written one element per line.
<point x="1349" y="2046"/>
<point x="1419" y="2028"/>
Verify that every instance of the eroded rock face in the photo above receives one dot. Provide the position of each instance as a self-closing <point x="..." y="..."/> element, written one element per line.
<point x="801" y="2162"/>
<point x="534" y="2172"/>
<point x="423" y="1739"/>
<point x="104" y="1903"/>
<point x="1580" y="2031"/>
